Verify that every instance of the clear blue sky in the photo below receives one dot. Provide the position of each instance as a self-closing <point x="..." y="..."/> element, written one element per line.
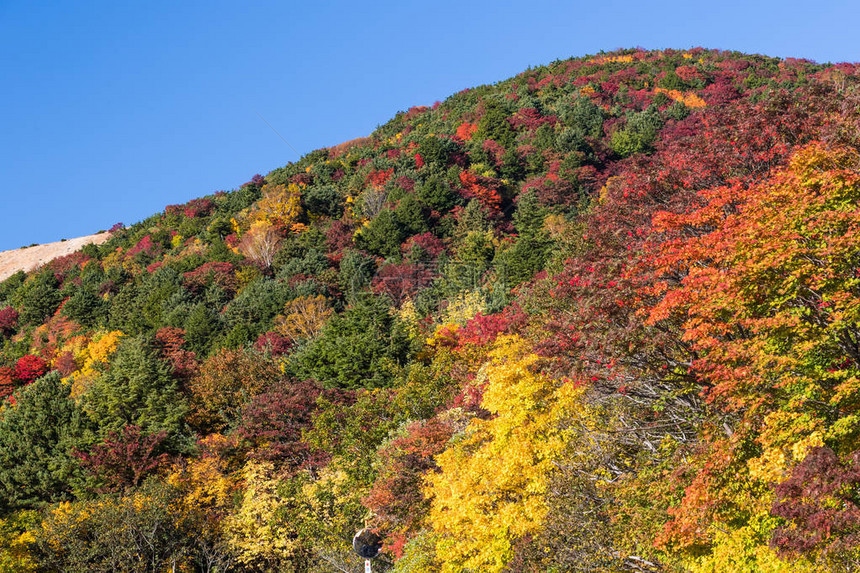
<point x="111" y="110"/>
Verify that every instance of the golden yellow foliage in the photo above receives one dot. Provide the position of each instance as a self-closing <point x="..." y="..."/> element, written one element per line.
<point x="303" y="317"/>
<point x="410" y="318"/>
<point x="246" y="275"/>
<point x="626" y="59"/>
<point x="93" y="359"/>
<point x="15" y="548"/>
<point x="280" y="204"/>
<point x="205" y="480"/>
<point x="462" y="307"/>
<point x="745" y="550"/>
<point x="493" y="479"/>
<point x="110" y="533"/>
<point x="786" y="438"/>
<point x="689" y="99"/>
<point x="254" y="532"/>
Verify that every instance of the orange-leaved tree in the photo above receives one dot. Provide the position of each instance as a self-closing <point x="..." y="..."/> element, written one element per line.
<point x="769" y="301"/>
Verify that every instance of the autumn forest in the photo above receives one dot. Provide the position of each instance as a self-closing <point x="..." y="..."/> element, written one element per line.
<point x="600" y="316"/>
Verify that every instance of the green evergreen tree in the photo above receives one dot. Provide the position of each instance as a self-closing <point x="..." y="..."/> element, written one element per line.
<point x="37" y="439"/>
<point x="638" y="134"/>
<point x="39" y="297"/>
<point x="202" y="325"/>
<point x="494" y="124"/>
<point x="437" y="194"/>
<point x="529" y="254"/>
<point x="411" y="216"/>
<point x="137" y="390"/>
<point x="85" y="307"/>
<point x="356" y="270"/>
<point x="361" y="348"/>
<point x="382" y="236"/>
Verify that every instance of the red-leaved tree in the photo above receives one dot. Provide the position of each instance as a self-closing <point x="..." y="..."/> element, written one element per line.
<point x="124" y="459"/>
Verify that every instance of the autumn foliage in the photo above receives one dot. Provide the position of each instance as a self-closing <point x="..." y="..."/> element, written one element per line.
<point x="600" y="316"/>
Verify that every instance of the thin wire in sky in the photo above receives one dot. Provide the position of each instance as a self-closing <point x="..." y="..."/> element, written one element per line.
<point x="299" y="155"/>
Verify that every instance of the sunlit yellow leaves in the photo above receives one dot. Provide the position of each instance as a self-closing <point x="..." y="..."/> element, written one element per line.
<point x="689" y="99"/>
<point x="280" y="204"/>
<point x="462" y="307"/>
<point x="303" y="318"/>
<point x="262" y="227"/>
<point x="786" y="438"/>
<point x="745" y="550"/>
<point x="15" y="543"/>
<point x="204" y="480"/>
<point x="254" y="531"/>
<point x="93" y="360"/>
<point x="490" y="490"/>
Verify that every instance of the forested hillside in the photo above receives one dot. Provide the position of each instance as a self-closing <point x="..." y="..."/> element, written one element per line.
<point x="601" y="316"/>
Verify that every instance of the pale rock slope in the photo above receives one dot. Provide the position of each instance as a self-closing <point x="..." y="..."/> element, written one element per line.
<point x="29" y="258"/>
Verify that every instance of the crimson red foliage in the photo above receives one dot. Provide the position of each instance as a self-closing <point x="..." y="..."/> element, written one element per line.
<point x="63" y="266"/>
<point x="821" y="502"/>
<point x="221" y="274"/>
<point x="495" y="150"/>
<point x="688" y="73"/>
<point x="272" y="423"/>
<point x="170" y="340"/>
<point x="146" y="246"/>
<point x="8" y="320"/>
<point x="484" y="329"/>
<point x="424" y="247"/>
<point x="530" y="118"/>
<point x="402" y="281"/>
<point x="406" y="183"/>
<point x="338" y="236"/>
<point x="28" y="368"/>
<point x="124" y="459"/>
<point x="194" y="208"/>
<point x="273" y="343"/>
<point x="550" y="190"/>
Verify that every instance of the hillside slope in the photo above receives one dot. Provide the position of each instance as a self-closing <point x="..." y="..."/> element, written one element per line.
<point x="602" y="316"/>
<point x="28" y="258"/>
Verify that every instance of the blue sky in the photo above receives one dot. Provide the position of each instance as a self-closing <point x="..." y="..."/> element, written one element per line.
<point x="111" y="110"/>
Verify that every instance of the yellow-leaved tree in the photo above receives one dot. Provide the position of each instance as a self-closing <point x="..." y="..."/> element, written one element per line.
<point x="491" y="488"/>
<point x="281" y="205"/>
<point x="303" y="318"/>
<point x="93" y="359"/>
<point x="254" y="532"/>
<point x="273" y="217"/>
